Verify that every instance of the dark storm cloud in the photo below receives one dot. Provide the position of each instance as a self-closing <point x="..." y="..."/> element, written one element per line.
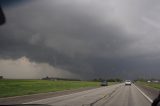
<point x="7" y="3"/>
<point x="90" y="38"/>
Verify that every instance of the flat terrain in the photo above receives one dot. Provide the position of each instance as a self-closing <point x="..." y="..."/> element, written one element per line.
<point x="115" y="95"/>
<point x="150" y="89"/>
<point x="151" y="84"/>
<point x="24" y="87"/>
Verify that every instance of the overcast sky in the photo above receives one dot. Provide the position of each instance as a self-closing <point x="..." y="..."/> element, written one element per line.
<point x="80" y="39"/>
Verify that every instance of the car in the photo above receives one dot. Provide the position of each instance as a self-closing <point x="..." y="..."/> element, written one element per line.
<point x="104" y="83"/>
<point x="128" y="82"/>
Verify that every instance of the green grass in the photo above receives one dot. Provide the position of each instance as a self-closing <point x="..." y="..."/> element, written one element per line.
<point x="151" y="84"/>
<point x="24" y="87"/>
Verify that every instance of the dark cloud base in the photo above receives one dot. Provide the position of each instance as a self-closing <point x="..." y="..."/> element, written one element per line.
<point x="73" y="38"/>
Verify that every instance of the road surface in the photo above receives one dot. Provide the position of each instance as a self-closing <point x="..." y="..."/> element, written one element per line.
<point x="115" y="95"/>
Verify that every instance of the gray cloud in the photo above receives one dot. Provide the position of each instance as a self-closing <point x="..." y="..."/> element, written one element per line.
<point x="23" y="68"/>
<point x="95" y="38"/>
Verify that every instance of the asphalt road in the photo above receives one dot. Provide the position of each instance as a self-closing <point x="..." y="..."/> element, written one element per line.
<point x="115" y="95"/>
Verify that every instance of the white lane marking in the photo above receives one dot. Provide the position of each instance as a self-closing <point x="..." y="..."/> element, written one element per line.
<point x="148" y="98"/>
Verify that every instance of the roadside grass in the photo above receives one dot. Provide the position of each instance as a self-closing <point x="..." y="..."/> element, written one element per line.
<point x="150" y="84"/>
<point x="10" y="88"/>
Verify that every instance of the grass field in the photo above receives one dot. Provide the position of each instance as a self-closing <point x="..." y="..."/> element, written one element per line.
<point x="151" y="84"/>
<point x="24" y="87"/>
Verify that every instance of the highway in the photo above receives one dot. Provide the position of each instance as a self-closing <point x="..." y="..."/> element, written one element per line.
<point x="115" y="95"/>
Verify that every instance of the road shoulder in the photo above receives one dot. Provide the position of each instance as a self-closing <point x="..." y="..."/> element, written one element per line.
<point x="34" y="97"/>
<point x="150" y="92"/>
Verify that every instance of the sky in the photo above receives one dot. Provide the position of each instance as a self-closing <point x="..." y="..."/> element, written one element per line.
<point x="81" y="39"/>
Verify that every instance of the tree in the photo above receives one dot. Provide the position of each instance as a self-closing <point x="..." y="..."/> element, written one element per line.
<point x="1" y="77"/>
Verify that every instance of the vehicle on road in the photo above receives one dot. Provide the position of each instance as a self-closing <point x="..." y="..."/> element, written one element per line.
<point x="128" y="82"/>
<point x="104" y="83"/>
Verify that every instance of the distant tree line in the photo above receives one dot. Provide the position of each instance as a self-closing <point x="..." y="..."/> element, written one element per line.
<point x="55" y="78"/>
<point x="1" y="77"/>
<point x="145" y="80"/>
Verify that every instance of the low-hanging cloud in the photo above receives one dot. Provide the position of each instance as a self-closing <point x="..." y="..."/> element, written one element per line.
<point x="90" y="38"/>
<point x="23" y="68"/>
